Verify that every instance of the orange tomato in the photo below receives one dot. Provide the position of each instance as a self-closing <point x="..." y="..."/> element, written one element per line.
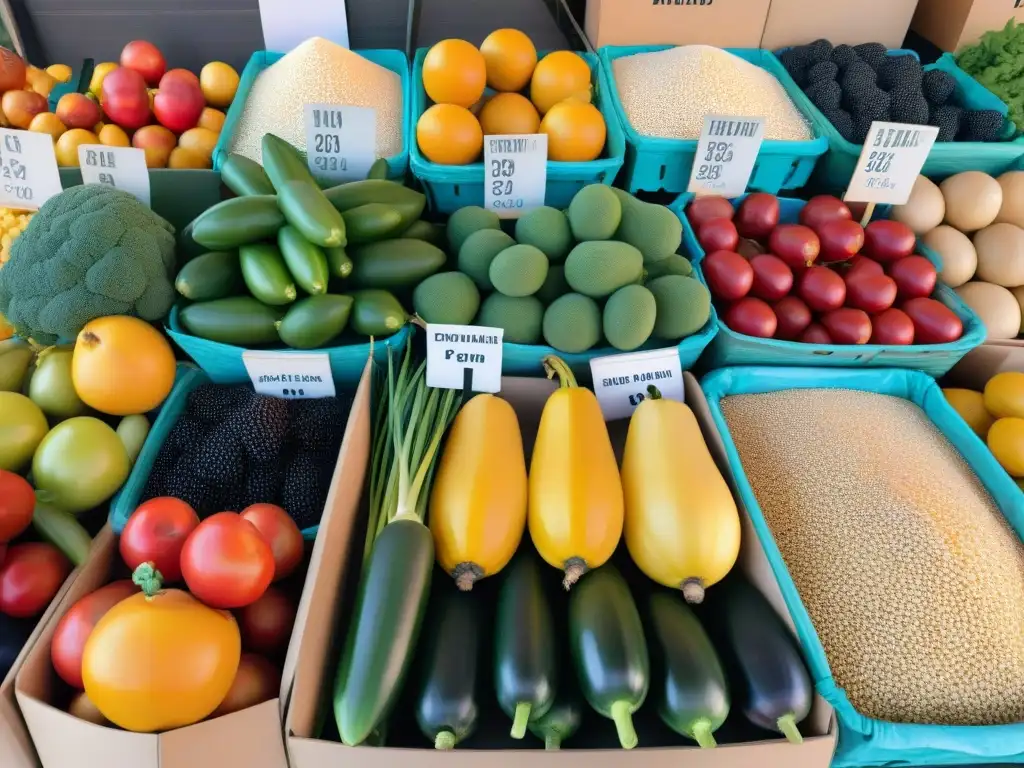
<point x="122" y="366"/>
<point x="510" y="57"/>
<point x="454" y="72"/>
<point x="509" y="113"/>
<point x="559" y="76"/>
<point x="449" y="135"/>
<point x="575" y="130"/>
<point x="160" y="659"/>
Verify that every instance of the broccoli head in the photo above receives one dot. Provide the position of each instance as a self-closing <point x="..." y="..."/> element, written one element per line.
<point x="89" y="252"/>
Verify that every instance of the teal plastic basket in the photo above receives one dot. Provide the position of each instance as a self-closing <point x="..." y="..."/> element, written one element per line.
<point x="864" y="741"/>
<point x="657" y="164"/>
<point x="946" y="158"/>
<point x="450" y="187"/>
<point x="396" y="61"/>
<point x="730" y="348"/>
<point x="222" y="363"/>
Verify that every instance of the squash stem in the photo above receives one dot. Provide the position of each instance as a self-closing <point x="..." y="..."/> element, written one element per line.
<point x="693" y="590"/>
<point x="787" y="725"/>
<point x="444" y="740"/>
<point x="653" y="393"/>
<point x="556" y="366"/>
<point x="522" y="718"/>
<point x="148" y="579"/>
<point x="552" y="741"/>
<point x="575" y="567"/>
<point x="623" y="719"/>
<point x="702" y="733"/>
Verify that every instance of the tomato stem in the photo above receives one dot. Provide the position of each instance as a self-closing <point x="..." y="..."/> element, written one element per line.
<point x="148" y="579"/>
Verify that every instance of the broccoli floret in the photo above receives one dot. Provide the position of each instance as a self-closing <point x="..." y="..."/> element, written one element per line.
<point x="88" y="252"/>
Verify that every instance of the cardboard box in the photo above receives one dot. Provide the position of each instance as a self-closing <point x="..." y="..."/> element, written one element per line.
<point x="952" y="24"/>
<point x="982" y="363"/>
<point x="725" y="23"/>
<point x="251" y="738"/>
<point x="795" y="22"/>
<point x="318" y="649"/>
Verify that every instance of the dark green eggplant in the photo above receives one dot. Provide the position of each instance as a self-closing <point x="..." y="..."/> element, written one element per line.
<point x="693" y="696"/>
<point x="777" y="688"/>
<point x="447" y="709"/>
<point x="561" y="721"/>
<point x="608" y="648"/>
<point x="525" y="646"/>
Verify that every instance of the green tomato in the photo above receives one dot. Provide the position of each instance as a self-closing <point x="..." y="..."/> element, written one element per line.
<point x="51" y="387"/>
<point x="80" y="464"/>
<point x="22" y="428"/>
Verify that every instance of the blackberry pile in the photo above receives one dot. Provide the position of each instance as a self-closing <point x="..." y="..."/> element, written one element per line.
<point x="232" y="447"/>
<point x="855" y="85"/>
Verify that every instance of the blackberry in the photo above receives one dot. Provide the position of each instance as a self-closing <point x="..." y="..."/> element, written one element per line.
<point x="842" y="122"/>
<point x="825" y="95"/>
<point x="822" y="71"/>
<point x="858" y="78"/>
<point x="900" y="73"/>
<point x="261" y="425"/>
<point x="263" y="484"/>
<point x="159" y="474"/>
<point x="819" y="50"/>
<point x="938" y="87"/>
<point x="907" y="105"/>
<point x="873" y="54"/>
<point x="185" y="485"/>
<point x="213" y="403"/>
<point x="319" y="425"/>
<point x="843" y="56"/>
<point x="861" y="127"/>
<point x="875" y="104"/>
<point x="220" y="459"/>
<point x="947" y="119"/>
<point x="794" y="60"/>
<point x="981" y="125"/>
<point x="303" y="493"/>
<point x="187" y="432"/>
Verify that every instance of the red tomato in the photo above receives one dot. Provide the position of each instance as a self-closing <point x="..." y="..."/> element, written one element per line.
<point x="17" y="501"/>
<point x="266" y="625"/>
<point x="861" y="263"/>
<point x="772" y="278"/>
<point x="226" y="563"/>
<point x="870" y="292"/>
<point x="3" y="553"/>
<point x="729" y="275"/>
<point x="795" y="244"/>
<point x="281" y="533"/>
<point x="758" y="215"/>
<point x="815" y="333"/>
<point x="934" y="322"/>
<point x="822" y="209"/>
<point x="76" y="625"/>
<point x="708" y="207"/>
<point x="886" y="240"/>
<point x="915" y="277"/>
<point x="893" y="326"/>
<point x="822" y="289"/>
<point x="256" y="681"/>
<point x="155" y="533"/>
<point x="30" y="578"/>
<point x="793" y="316"/>
<point x="718" y="235"/>
<point x="752" y="317"/>
<point x="847" y="326"/>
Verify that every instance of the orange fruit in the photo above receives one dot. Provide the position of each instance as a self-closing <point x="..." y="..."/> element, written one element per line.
<point x="219" y="81"/>
<point x="68" y="143"/>
<point x="559" y="76"/>
<point x="199" y="140"/>
<point x="187" y="158"/>
<point x="449" y="135"/>
<point x="47" y="122"/>
<point x="212" y="119"/>
<point x="575" y="130"/>
<point x="454" y="72"/>
<point x="113" y="136"/>
<point x="59" y="72"/>
<point x="510" y="58"/>
<point x="509" y="113"/>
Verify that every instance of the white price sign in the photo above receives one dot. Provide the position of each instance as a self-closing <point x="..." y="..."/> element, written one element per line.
<point x="465" y="357"/>
<point x="123" y="168"/>
<point x="293" y="376"/>
<point x="515" y="173"/>
<point x="288" y="23"/>
<point x="726" y="153"/>
<point x="341" y="141"/>
<point x="28" y="169"/>
<point x="621" y="382"/>
<point x="890" y="162"/>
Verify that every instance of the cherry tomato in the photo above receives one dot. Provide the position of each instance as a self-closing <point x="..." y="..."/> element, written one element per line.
<point x="934" y="322"/>
<point x="893" y="326"/>
<point x="30" y="578"/>
<point x="281" y="533"/>
<point x="76" y="625"/>
<point x="256" y="681"/>
<point x="17" y="500"/>
<point x="226" y="563"/>
<point x="266" y="625"/>
<point x="155" y="533"/>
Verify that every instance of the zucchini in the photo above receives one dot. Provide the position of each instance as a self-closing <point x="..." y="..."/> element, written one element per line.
<point x="377" y="313"/>
<point x="283" y="163"/>
<point x="133" y="431"/>
<point x="245" y="177"/>
<point x="776" y="686"/>
<point x="560" y="722"/>
<point x="384" y="627"/>
<point x="266" y="275"/>
<point x="213" y="275"/>
<point x="63" y="530"/>
<point x="525" y="645"/>
<point x="370" y="222"/>
<point x="424" y="230"/>
<point x="306" y="262"/>
<point x="239" y="320"/>
<point x="306" y="209"/>
<point x="693" y="696"/>
<point x="447" y="710"/>
<point x="238" y="221"/>
<point x="315" y="320"/>
<point x="608" y="648"/>
<point x="394" y="264"/>
<point x="409" y="202"/>
<point x="338" y="262"/>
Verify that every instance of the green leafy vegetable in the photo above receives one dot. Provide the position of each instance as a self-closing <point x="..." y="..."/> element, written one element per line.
<point x="997" y="62"/>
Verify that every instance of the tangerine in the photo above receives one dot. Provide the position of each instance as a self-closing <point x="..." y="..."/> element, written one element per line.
<point x="510" y="58"/>
<point x="454" y="72"/>
<point x="575" y="130"/>
<point x="509" y="113"/>
<point x="219" y="82"/>
<point x="559" y="76"/>
<point x="449" y="135"/>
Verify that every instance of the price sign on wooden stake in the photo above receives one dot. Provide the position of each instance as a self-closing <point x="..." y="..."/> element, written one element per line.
<point x="890" y="162"/>
<point x="726" y="153"/>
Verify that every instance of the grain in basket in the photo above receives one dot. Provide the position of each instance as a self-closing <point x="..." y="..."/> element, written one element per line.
<point x="913" y="579"/>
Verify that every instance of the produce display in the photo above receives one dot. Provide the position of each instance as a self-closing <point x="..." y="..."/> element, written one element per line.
<point x="997" y="416"/>
<point x="824" y="280"/>
<point x="995" y="62"/>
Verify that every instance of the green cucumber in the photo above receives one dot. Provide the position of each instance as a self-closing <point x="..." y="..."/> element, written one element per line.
<point x="561" y="721"/>
<point x="238" y="221"/>
<point x="306" y="209"/>
<point x="693" y="696"/>
<point x="383" y="629"/>
<point x="394" y="264"/>
<point x="265" y="274"/>
<point x="424" y="230"/>
<point x="377" y="313"/>
<point x="373" y="221"/>
<point x="133" y="431"/>
<point x="238" y="320"/>
<point x="446" y="709"/>
<point x="283" y="163"/>
<point x="213" y="275"/>
<point x="306" y="262"/>
<point x="525" y="645"/>
<point x="338" y="262"/>
<point x="314" y="321"/>
<point x="63" y="531"/>
<point x="608" y="648"/>
<point x="379" y="169"/>
<point x="408" y="202"/>
<point x="245" y="177"/>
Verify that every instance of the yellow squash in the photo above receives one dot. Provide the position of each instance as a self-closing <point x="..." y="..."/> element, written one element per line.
<point x="682" y="526"/>
<point x="576" y="506"/>
<point x="478" y="505"/>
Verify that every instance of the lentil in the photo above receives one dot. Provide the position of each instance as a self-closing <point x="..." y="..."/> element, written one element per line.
<point x="913" y="579"/>
<point x="318" y="72"/>
<point x="667" y="94"/>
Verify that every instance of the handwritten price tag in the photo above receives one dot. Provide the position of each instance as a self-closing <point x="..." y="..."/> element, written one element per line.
<point x="726" y="153"/>
<point x="464" y="357"/>
<point x="341" y="141"/>
<point x="621" y="381"/>
<point x="28" y="169"/>
<point x="516" y="170"/>
<point x="123" y="168"/>
<point x="293" y="376"/>
<point x="890" y="162"/>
